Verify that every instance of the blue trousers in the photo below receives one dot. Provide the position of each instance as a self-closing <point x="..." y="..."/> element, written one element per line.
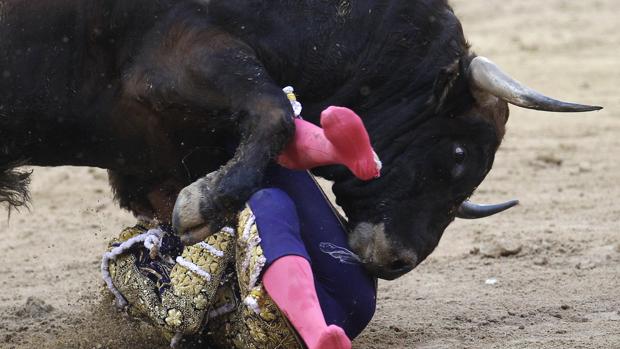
<point x="294" y="217"/>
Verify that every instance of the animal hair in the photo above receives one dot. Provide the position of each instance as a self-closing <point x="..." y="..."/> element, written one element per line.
<point x="14" y="185"/>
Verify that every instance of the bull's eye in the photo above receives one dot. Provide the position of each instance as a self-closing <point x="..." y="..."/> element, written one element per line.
<point x="459" y="154"/>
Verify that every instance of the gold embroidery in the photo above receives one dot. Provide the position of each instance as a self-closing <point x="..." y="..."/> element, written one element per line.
<point x="237" y="310"/>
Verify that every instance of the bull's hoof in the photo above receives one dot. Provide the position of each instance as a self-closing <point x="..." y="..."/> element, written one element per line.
<point x="198" y="212"/>
<point x="196" y="235"/>
<point x="188" y="220"/>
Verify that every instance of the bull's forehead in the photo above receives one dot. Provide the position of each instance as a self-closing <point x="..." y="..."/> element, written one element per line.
<point x="494" y="111"/>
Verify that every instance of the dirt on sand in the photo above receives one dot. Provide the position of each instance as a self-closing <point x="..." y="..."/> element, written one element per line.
<point x="544" y="275"/>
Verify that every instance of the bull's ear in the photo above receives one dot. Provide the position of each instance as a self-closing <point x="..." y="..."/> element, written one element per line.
<point x="445" y="84"/>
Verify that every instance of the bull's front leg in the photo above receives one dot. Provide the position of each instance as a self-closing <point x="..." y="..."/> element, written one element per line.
<point x="204" y="68"/>
<point x="211" y="202"/>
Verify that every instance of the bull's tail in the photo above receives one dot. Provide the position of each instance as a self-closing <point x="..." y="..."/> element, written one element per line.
<point x="14" y="185"/>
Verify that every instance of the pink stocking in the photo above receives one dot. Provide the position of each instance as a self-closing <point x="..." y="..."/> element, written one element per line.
<point x="342" y="140"/>
<point x="290" y="283"/>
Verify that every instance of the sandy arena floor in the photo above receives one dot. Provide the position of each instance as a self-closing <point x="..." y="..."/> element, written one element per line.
<point x="560" y="290"/>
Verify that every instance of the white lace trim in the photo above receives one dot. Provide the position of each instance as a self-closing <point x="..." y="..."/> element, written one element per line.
<point x="193" y="268"/>
<point x="212" y="250"/>
<point x="229" y="230"/>
<point x="252" y="304"/>
<point x="152" y="235"/>
<point x="294" y="103"/>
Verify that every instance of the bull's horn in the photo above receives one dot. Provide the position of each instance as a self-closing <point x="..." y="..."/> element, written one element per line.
<point x="469" y="210"/>
<point x="488" y="77"/>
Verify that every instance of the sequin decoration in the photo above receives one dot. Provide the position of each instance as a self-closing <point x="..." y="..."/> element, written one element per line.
<point x="229" y="309"/>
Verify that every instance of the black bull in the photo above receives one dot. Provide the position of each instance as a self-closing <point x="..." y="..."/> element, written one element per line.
<point x="156" y="91"/>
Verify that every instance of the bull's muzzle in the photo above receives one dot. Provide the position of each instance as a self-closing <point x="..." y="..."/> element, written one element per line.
<point x="381" y="256"/>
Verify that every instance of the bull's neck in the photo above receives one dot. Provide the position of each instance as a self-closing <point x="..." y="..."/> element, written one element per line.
<point x="397" y="66"/>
